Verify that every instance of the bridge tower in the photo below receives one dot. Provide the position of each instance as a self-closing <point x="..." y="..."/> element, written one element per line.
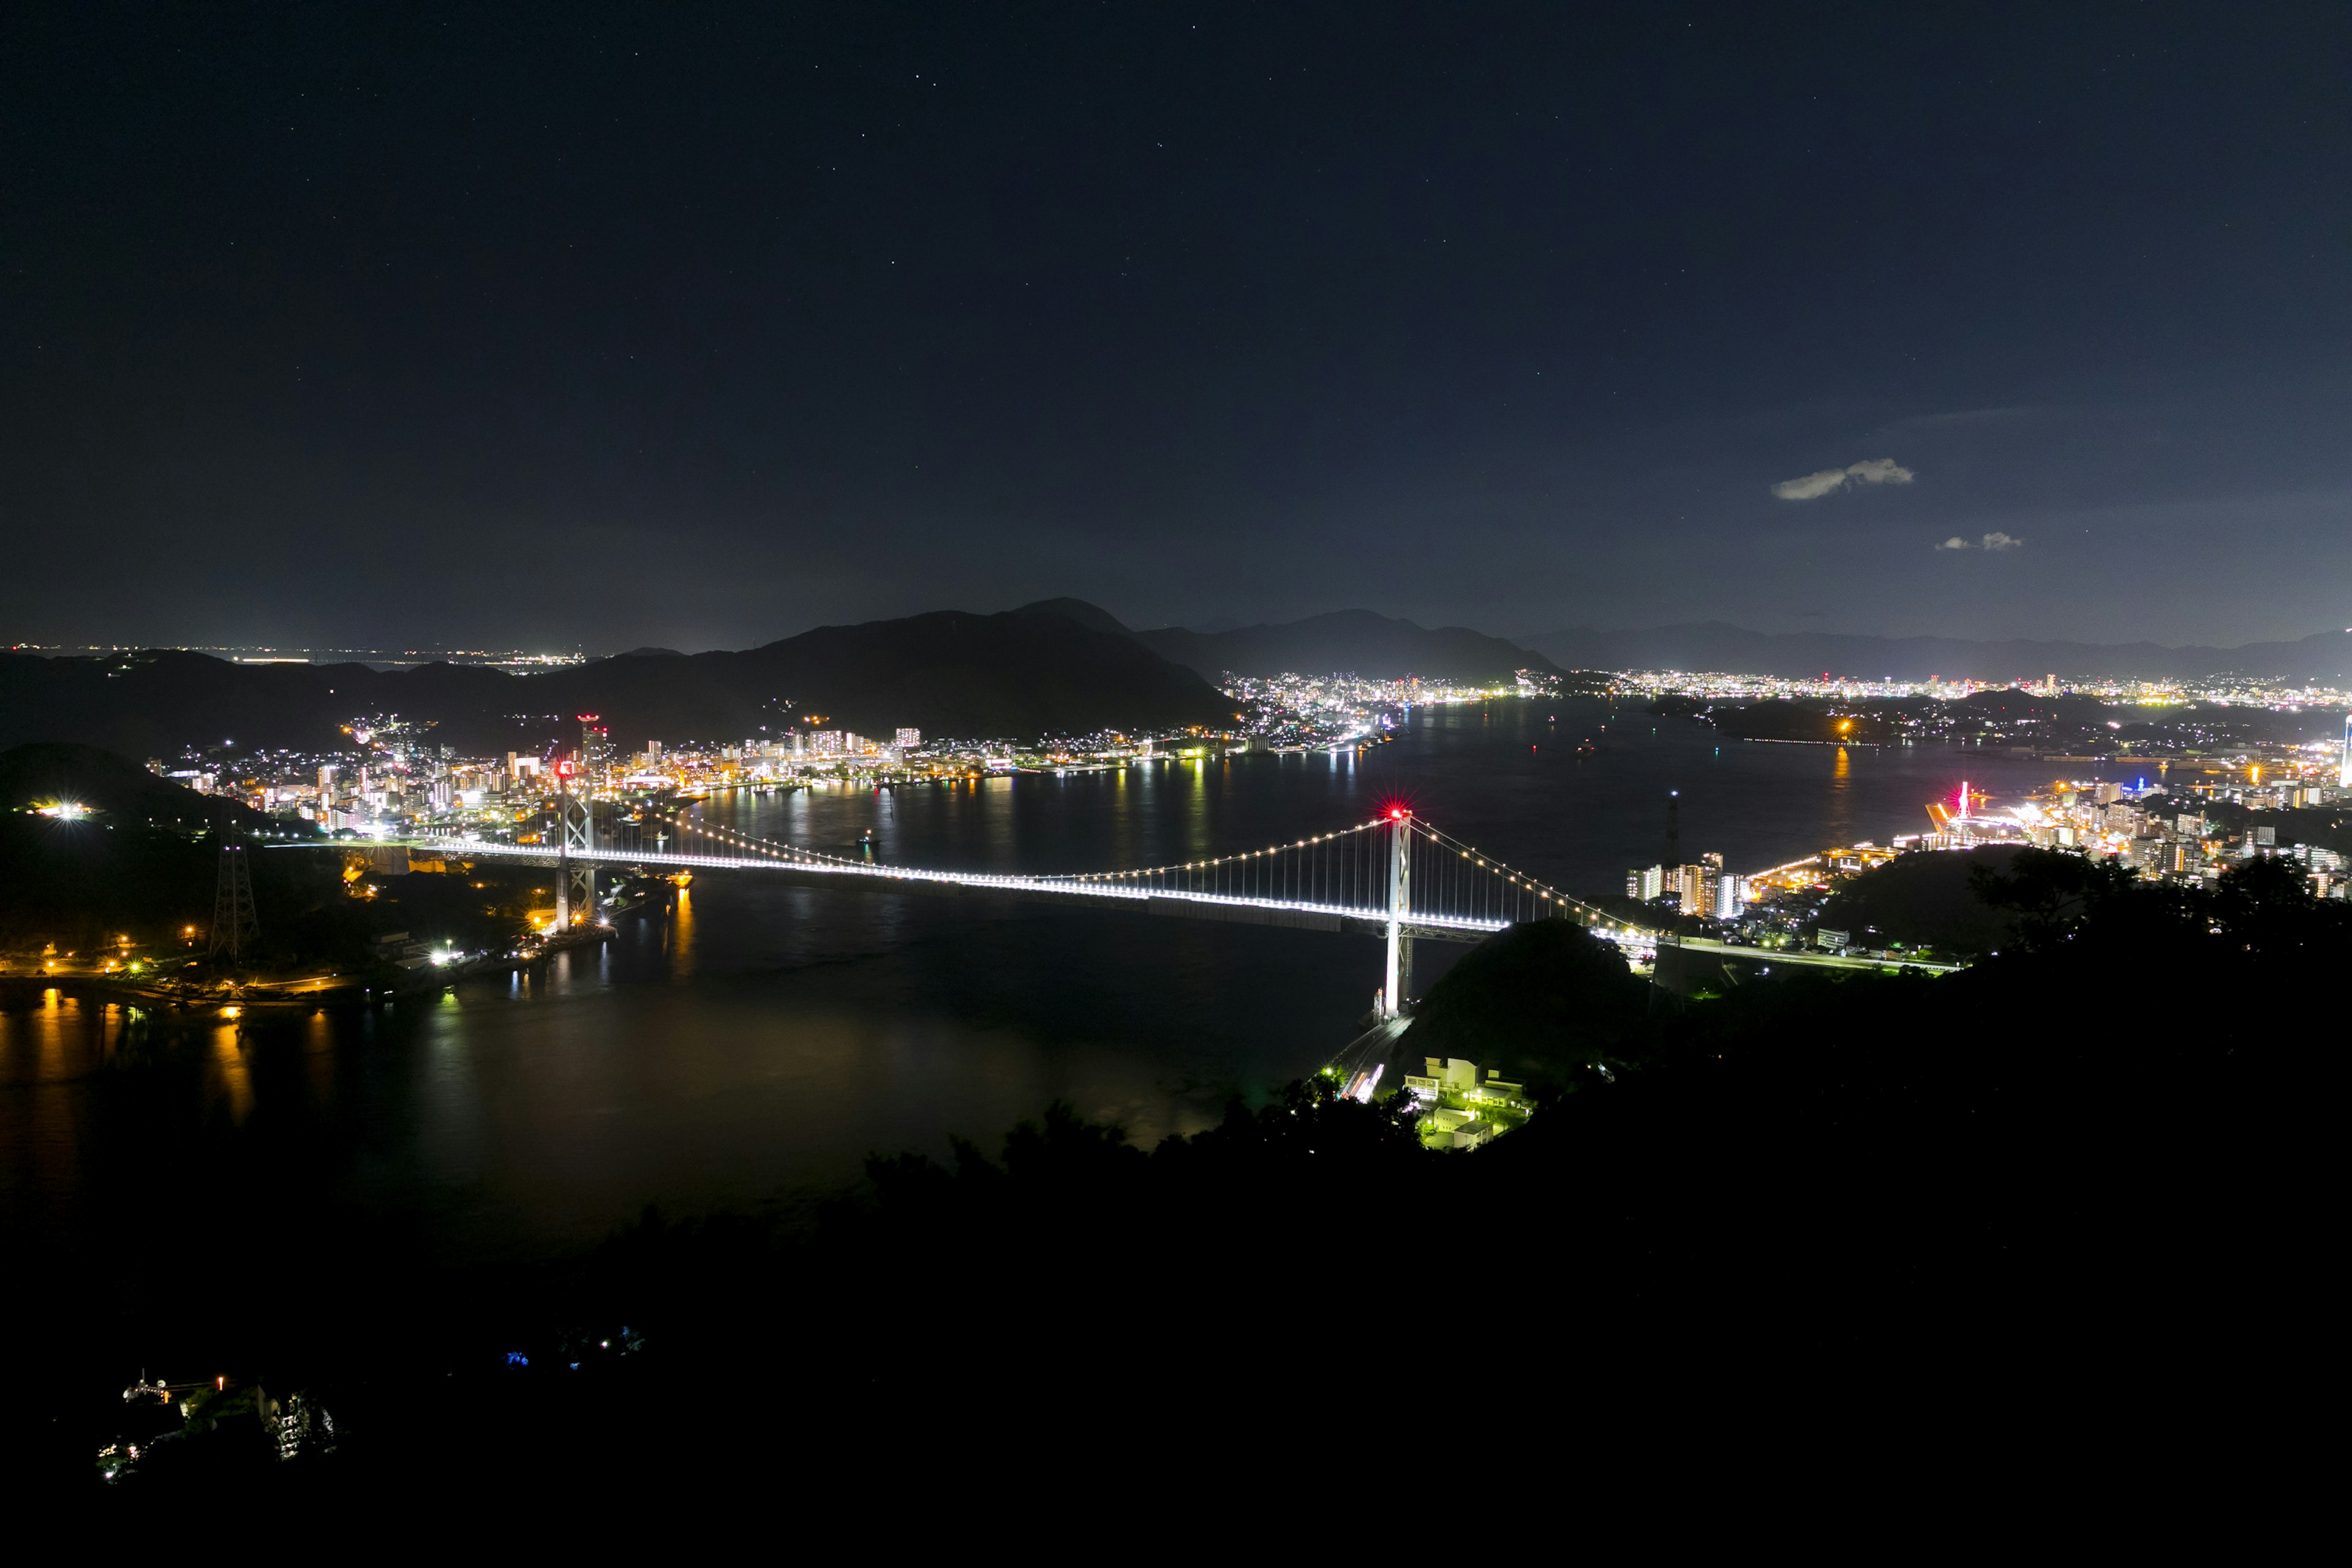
<point x="234" y="924"/>
<point x="575" y="880"/>
<point x="580" y="833"/>
<point x="1400" y="973"/>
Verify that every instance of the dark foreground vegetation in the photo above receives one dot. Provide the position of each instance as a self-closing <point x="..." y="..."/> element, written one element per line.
<point x="2071" y="1189"/>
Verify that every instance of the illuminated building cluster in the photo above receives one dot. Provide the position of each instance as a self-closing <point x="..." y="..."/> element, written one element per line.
<point x="2217" y="691"/>
<point x="1311" y="711"/>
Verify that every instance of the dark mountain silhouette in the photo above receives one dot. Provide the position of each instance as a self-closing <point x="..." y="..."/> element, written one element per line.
<point x="1717" y="645"/>
<point x="1374" y="647"/>
<point x="1018" y="676"/>
<point x="1092" y="616"/>
<point x="1369" y="645"/>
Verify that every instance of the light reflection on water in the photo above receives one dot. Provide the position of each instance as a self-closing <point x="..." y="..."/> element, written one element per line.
<point x="229" y="1085"/>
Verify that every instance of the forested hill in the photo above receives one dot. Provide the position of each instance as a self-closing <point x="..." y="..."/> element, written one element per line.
<point x="1016" y="676"/>
<point x="117" y="793"/>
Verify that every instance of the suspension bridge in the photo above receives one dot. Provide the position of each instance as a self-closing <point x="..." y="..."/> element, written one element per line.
<point x="1393" y="875"/>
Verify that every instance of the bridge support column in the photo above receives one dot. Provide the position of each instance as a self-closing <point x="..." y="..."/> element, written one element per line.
<point x="1399" y="970"/>
<point x="562" y="848"/>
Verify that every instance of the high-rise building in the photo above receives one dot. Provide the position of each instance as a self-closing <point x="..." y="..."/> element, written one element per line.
<point x="1646" y="883"/>
<point x="907" y="739"/>
<point x="595" y="746"/>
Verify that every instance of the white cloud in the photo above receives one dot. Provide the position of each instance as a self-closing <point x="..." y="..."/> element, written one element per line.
<point x="1869" y="471"/>
<point x="1811" y="485"/>
<point x="1995" y="541"/>
<point x="1880" y="471"/>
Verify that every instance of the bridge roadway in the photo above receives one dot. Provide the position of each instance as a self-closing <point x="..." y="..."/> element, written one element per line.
<point x="1684" y="964"/>
<point x="1818" y="960"/>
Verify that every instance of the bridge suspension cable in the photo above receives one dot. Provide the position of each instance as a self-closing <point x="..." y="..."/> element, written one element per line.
<point x="1351" y="872"/>
<point x="1468" y="875"/>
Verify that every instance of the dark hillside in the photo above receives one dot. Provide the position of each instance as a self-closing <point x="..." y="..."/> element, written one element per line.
<point x="1539" y="1000"/>
<point x="142" y="861"/>
<point x="118" y="792"/>
<point x="1020" y="675"/>
<point x="1927" y="900"/>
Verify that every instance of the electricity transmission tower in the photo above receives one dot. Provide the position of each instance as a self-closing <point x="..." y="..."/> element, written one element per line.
<point x="235" y="923"/>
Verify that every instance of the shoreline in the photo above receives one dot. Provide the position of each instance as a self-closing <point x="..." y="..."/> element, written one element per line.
<point x="266" y="997"/>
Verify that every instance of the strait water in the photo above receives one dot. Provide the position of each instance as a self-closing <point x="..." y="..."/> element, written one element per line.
<point x="760" y="1039"/>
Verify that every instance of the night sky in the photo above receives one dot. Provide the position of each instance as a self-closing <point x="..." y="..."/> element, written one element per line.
<point x="416" y="325"/>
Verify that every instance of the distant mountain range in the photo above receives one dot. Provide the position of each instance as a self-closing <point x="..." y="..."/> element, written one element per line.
<point x="1021" y="674"/>
<point x="1358" y="642"/>
<point x="2325" y="657"/>
<point x="1058" y="666"/>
